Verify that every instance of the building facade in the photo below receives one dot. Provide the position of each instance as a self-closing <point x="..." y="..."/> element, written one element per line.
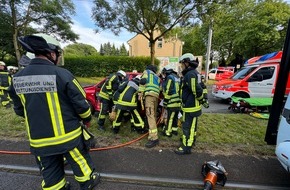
<point x="139" y="46"/>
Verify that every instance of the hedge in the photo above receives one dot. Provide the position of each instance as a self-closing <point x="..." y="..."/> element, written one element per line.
<point x="100" y="66"/>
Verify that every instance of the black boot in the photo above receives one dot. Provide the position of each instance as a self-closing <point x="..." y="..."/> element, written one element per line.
<point x="183" y="150"/>
<point x="101" y="128"/>
<point x="133" y="128"/>
<point x="174" y="133"/>
<point x="116" y="130"/>
<point x="141" y="130"/>
<point x="90" y="184"/>
<point x="66" y="186"/>
<point x="152" y="143"/>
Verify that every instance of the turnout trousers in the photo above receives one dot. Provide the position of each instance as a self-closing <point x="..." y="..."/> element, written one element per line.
<point x="52" y="168"/>
<point x="189" y="128"/>
<point x="171" y="121"/>
<point x="5" y="98"/>
<point x="106" y="107"/>
<point x="136" y="119"/>
<point x="151" y="104"/>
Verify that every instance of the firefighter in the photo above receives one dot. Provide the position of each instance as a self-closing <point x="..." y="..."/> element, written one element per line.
<point x="150" y="89"/>
<point x="171" y="101"/>
<point x="204" y="101"/>
<point x="128" y="102"/>
<point x="5" y="81"/>
<point x="106" y="96"/>
<point x="54" y="106"/>
<point x="191" y="94"/>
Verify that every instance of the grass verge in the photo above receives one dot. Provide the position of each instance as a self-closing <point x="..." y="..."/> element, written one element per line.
<point x="225" y="134"/>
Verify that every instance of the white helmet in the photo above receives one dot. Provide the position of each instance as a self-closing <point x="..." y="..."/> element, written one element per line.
<point x="122" y="73"/>
<point x="187" y="57"/>
<point x="190" y="59"/>
<point x="2" y="63"/>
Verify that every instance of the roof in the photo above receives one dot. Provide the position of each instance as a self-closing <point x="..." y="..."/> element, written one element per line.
<point x="270" y="57"/>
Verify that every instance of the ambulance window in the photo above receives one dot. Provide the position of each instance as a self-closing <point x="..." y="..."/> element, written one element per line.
<point x="243" y="72"/>
<point x="266" y="72"/>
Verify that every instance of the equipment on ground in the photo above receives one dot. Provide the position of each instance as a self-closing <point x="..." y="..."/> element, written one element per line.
<point x="213" y="173"/>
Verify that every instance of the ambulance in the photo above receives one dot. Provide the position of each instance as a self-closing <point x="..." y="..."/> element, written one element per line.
<point x="256" y="79"/>
<point x="282" y="150"/>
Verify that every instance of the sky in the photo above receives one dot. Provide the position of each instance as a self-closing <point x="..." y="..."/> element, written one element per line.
<point x="84" y="26"/>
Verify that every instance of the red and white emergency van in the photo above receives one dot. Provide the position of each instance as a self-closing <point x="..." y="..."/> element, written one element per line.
<point x="254" y="80"/>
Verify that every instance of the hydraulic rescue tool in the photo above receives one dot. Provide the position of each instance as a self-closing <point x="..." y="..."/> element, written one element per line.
<point x="213" y="173"/>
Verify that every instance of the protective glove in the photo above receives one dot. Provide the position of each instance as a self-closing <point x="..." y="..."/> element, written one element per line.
<point x="204" y="103"/>
<point x="89" y="138"/>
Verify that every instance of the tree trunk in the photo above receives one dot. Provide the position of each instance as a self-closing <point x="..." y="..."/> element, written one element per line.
<point x="15" y="31"/>
<point x="152" y="52"/>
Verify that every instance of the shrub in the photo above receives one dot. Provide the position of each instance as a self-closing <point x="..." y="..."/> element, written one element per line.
<point x="100" y="66"/>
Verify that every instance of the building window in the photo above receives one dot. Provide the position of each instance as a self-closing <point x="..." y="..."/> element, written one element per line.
<point x="159" y="43"/>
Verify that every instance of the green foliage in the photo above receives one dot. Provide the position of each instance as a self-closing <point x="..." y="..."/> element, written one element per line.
<point x="249" y="27"/>
<point x="108" y="49"/>
<point x="150" y="18"/>
<point x="100" y="66"/>
<point x="6" y="47"/>
<point x="50" y="16"/>
<point x="80" y="49"/>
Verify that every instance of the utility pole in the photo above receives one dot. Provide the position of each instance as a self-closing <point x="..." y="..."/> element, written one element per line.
<point x="208" y="53"/>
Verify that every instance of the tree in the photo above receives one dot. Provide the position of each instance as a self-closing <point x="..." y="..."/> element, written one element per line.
<point x="50" y="16"/>
<point x="123" y="50"/>
<point x="266" y="30"/>
<point x="6" y="47"/>
<point x="80" y="49"/>
<point x="148" y="18"/>
<point x="247" y="27"/>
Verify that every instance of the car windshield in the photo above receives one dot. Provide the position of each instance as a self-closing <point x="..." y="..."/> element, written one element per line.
<point x="243" y="72"/>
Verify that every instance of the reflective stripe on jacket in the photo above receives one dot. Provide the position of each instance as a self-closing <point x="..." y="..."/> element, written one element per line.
<point x="109" y="87"/>
<point x="191" y="92"/>
<point x="171" y="90"/>
<point x="152" y="86"/>
<point x="53" y="104"/>
<point x="128" y="97"/>
<point x="5" y="80"/>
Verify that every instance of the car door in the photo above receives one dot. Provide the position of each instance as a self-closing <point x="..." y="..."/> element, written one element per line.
<point x="261" y="82"/>
<point x="212" y="74"/>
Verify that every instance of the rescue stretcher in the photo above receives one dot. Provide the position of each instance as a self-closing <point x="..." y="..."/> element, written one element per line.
<point x="247" y="105"/>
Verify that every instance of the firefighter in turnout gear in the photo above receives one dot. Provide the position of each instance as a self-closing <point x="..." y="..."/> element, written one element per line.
<point x="150" y="89"/>
<point x="171" y="101"/>
<point x="5" y="81"/>
<point x="106" y="96"/>
<point x="54" y="106"/>
<point x="128" y="102"/>
<point x="191" y="94"/>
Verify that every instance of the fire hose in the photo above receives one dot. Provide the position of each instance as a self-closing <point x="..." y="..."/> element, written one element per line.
<point x="91" y="150"/>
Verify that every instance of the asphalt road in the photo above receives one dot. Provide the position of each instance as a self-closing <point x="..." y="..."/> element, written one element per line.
<point x="216" y="105"/>
<point x="132" y="168"/>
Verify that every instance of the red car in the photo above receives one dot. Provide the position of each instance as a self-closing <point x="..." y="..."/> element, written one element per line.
<point x="92" y="92"/>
